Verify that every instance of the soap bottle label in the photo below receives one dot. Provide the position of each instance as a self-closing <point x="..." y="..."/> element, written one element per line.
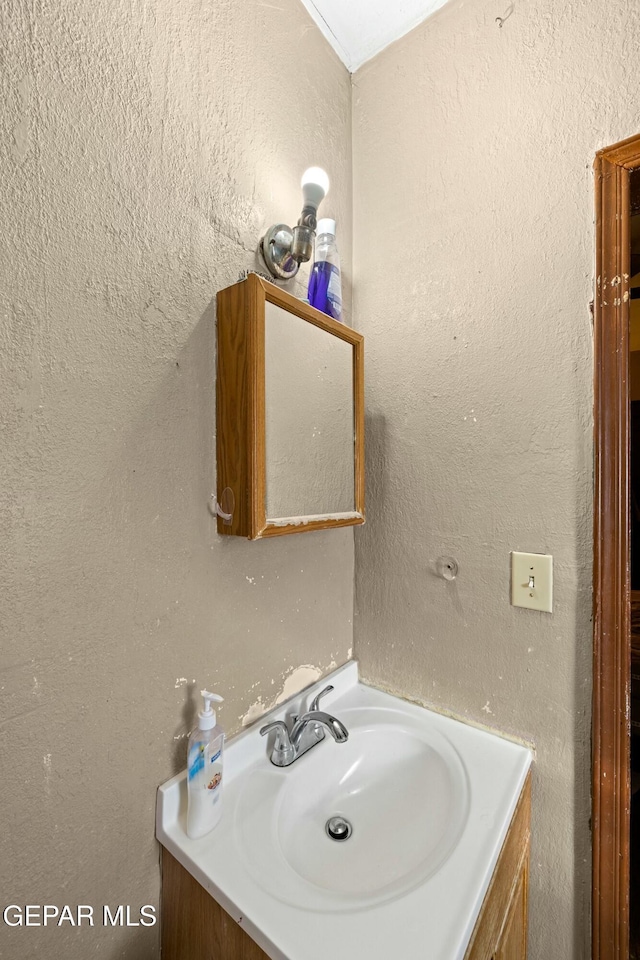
<point x="205" y="769"/>
<point x="196" y="762"/>
<point x="214" y="771"/>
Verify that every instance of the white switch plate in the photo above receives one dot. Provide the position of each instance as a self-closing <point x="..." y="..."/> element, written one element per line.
<point x="532" y="581"/>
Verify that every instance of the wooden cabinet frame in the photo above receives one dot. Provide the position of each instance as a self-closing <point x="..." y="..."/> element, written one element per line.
<point x="240" y="408"/>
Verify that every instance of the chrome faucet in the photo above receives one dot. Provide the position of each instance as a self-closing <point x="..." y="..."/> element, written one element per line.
<point x="307" y="730"/>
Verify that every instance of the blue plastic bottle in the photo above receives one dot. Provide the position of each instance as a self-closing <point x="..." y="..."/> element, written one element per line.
<point x="325" y="287"/>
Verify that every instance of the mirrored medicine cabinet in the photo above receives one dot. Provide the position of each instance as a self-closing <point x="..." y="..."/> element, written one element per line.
<point x="289" y="415"/>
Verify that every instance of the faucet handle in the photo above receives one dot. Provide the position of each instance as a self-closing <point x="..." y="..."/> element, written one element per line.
<point x="280" y="726"/>
<point x="315" y="703"/>
<point x="282" y="748"/>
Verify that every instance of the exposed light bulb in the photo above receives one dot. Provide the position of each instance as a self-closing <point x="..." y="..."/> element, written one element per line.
<point x="315" y="187"/>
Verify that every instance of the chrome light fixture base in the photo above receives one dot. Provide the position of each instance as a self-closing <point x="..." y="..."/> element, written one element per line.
<point x="275" y="247"/>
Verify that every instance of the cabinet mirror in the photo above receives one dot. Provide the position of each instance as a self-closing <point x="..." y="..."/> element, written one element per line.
<point x="290" y="415"/>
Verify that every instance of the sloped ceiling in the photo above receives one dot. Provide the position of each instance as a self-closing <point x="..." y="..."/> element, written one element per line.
<point x="359" y="29"/>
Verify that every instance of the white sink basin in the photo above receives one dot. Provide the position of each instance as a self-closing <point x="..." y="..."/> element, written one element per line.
<point x="429" y="800"/>
<point x="403" y="790"/>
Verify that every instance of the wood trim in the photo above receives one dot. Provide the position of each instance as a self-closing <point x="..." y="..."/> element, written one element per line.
<point x="280" y="298"/>
<point x="325" y="523"/>
<point x="625" y="153"/>
<point x="358" y="406"/>
<point x="512" y="863"/>
<point x="611" y="639"/>
<point x="257" y="427"/>
<point x="234" y="469"/>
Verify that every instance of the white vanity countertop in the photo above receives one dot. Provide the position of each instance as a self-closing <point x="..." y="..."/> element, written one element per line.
<point x="432" y="921"/>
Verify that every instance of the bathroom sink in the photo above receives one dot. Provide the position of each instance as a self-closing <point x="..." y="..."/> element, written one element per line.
<point x="400" y="788"/>
<point x="428" y="800"/>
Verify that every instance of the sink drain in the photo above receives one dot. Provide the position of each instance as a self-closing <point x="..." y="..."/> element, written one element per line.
<point x="338" y="828"/>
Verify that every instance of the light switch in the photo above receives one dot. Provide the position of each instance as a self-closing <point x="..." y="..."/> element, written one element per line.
<point x="532" y="581"/>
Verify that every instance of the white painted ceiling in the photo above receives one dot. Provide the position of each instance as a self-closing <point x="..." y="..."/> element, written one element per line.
<point x="358" y="29"/>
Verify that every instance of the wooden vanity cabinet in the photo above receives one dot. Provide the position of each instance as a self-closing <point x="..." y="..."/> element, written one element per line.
<point x="500" y="932"/>
<point x="194" y="926"/>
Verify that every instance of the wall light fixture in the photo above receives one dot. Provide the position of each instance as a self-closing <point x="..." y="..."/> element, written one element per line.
<point x="284" y="249"/>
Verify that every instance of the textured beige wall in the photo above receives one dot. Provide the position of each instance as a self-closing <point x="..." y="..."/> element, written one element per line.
<point x="473" y="267"/>
<point x="143" y="148"/>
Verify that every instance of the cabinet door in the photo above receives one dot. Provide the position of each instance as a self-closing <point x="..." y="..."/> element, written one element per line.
<point x="513" y="939"/>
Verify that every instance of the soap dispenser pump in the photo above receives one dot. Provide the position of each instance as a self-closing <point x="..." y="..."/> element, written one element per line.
<point x="204" y="770"/>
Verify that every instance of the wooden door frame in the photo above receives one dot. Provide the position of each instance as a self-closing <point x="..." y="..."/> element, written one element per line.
<point x="611" y="574"/>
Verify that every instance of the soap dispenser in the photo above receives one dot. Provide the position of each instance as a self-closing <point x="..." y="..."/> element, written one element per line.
<point x="204" y="770"/>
